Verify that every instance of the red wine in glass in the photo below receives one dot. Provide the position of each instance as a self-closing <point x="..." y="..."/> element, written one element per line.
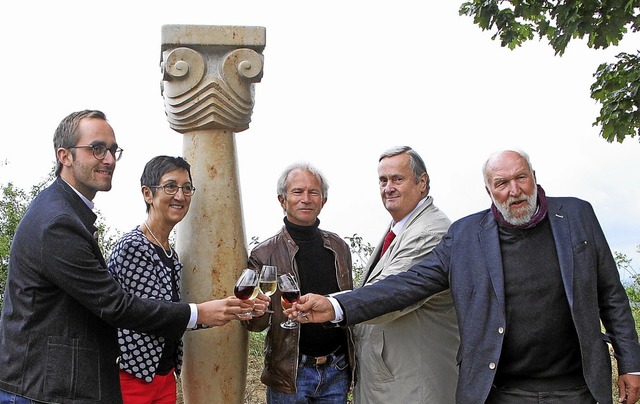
<point x="289" y="297"/>
<point x="246" y="288"/>
<point x="243" y="292"/>
<point x="289" y="294"/>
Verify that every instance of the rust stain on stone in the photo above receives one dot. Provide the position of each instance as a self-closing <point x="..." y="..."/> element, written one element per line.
<point x="213" y="171"/>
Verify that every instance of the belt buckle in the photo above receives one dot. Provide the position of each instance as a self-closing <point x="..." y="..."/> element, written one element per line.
<point x="321" y="360"/>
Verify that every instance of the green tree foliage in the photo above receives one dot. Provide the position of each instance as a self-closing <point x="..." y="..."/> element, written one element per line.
<point x="360" y="253"/>
<point x="633" y="286"/>
<point x="603" y="23"/>
<point x="616" y="88"/>
<point x="12" y="207"/>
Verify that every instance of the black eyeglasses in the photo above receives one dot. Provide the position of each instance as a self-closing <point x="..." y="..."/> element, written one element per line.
<point x="100" y="150"/>
<point x="172" y="189"/>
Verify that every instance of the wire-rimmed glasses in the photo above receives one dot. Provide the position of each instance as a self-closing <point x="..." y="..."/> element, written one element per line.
<point x="100" y="151"/>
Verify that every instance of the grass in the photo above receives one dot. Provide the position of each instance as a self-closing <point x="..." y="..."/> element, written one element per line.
<point x="255" y="391"/>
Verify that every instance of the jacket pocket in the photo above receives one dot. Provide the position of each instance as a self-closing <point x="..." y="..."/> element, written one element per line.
<point x="375" y="356"/>
<point x="72" y="369"/>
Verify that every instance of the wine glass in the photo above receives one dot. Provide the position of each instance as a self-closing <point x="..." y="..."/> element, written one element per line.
<point x="289" y="294"/>
<point x="268" y="281"/>
<point x="246" y="289"/>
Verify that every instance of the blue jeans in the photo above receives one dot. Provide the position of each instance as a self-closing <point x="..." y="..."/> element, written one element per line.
<point x="317" y="384"/>
<point x="10" y="398"/>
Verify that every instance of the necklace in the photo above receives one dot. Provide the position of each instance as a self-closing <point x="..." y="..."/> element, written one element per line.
<point x="170" y="254"/>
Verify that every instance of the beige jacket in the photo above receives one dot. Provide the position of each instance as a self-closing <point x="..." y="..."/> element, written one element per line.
<point x="409" y="356"/>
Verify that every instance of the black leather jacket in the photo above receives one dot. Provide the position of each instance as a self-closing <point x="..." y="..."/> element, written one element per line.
<point x="281" y="346"/>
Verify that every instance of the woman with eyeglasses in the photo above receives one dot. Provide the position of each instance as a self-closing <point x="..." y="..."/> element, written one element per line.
<point x="145" y="263"/>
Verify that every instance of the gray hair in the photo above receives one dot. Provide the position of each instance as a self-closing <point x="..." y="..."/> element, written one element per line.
<point x="282" y="181"/>
<point x="495" y="155"/>
<point x="415" y="162"/>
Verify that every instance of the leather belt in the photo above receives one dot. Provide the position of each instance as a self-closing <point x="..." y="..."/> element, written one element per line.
<point x="306" y="360"/>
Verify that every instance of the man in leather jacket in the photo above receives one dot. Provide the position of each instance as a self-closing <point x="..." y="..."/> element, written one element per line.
<point x="310" y="362"/>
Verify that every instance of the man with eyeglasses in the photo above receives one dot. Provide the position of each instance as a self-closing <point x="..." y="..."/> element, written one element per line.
<point x="61" y="306"/>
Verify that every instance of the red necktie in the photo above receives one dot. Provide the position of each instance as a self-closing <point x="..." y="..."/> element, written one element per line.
<point x="387" y="240"/>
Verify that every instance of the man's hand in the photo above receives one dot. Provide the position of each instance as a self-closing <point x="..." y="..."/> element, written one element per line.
<point x="629" y="388"/>
<point x="312" y="308"/>
<point x="220" y="312"/>
<point x="260" y="304"/>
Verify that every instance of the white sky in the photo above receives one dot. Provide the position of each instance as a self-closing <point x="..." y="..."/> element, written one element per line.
<point x="343" y="81"/>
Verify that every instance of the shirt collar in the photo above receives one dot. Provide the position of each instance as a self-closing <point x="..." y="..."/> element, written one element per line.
<point x="87" y="202"/>
<point x="399" y="226"/>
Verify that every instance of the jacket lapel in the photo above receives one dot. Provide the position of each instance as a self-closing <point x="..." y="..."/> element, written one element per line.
<point x="559" y="222"/>
<point x="372" y="269"/>
<point x="490" y="249"/>
<point x="86" y="215"/>
<point x="376" y="264"/>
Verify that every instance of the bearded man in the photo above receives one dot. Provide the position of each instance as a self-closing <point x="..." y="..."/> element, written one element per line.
<point x="532" y="280"/>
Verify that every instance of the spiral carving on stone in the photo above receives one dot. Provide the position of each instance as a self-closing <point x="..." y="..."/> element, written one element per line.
<point x="183" y="68"/>
<point x="222" y="99"/>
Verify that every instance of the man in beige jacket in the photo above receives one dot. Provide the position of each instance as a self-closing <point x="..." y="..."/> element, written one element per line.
<point x="408" y="356"/>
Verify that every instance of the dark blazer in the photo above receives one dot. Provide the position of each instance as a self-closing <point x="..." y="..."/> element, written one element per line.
<point x="468" y="260"/>
<point x="62" y="307"/>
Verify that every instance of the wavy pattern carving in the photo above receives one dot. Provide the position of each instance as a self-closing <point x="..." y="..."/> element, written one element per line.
<point x="210" y="94"/>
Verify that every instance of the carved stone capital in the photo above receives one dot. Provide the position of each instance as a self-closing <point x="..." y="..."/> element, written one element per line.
<point x="208" y="75"/>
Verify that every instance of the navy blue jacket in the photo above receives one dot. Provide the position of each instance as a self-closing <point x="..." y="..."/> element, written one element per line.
<point x="62" y="307"/>
<point x="468" y="260"/>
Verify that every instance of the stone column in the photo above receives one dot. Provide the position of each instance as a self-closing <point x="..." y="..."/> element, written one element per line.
<point x="208" y="75"/>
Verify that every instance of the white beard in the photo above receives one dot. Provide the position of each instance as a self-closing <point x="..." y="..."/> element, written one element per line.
<point x="520" y="216"/>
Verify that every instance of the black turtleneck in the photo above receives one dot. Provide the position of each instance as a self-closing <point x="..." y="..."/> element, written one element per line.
<point x="317" y="274"/>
